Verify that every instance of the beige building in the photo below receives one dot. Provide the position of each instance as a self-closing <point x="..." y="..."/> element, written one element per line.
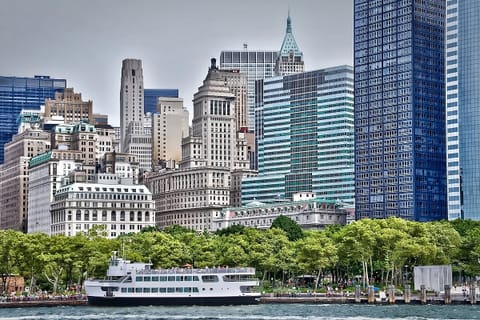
<point x="169" y="127"/>
<point x="79" y="136"/>
<point x="196" y="192"/>
<point x="237" y="83"/>
<point x="14" y="176"/>
<point x="105" y="140"/>
<point x="70" y="106"/>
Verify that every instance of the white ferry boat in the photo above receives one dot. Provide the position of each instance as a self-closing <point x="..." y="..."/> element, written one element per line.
<point x="133" y="284"/>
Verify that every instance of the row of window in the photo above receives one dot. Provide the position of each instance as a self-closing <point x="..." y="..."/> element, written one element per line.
<point x="161" y="290"/>
<point x="170" y="278"/>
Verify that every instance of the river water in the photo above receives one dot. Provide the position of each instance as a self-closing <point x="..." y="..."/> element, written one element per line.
<point x="255" y="312"/>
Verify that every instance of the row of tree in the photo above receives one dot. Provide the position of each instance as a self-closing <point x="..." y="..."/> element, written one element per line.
<point x="380" y="251"/>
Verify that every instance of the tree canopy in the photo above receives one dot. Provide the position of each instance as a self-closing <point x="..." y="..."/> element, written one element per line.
<point x="380" y="251"/>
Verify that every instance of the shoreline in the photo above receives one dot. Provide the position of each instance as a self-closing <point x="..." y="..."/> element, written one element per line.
<point x="265" y="299"/>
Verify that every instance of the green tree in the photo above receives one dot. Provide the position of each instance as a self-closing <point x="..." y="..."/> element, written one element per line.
<point x="291" y="228"/>
<point x="315" y="253"/>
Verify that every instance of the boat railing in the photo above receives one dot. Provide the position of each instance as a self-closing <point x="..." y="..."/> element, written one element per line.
<point x="220" y="270"/>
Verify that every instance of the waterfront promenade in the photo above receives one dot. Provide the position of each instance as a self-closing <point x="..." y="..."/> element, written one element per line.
<point x="457" y="295"/>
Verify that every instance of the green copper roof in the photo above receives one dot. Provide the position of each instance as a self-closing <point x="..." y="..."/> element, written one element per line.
<point x="289" y="44"/>
<point x="41" y="158"/>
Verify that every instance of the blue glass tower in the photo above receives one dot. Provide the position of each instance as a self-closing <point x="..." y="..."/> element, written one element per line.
<point x="306" y="141"/>
<point x="400" y="139"/>
<point x="150" y="98"/>
<point x="463" y="110"/>
<point x="23" y="93"/>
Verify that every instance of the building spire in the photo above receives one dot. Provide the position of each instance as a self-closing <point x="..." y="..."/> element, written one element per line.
<point x="289" y="23"/>
<point x="289" y="44"/>
<point x="290" y="58"/>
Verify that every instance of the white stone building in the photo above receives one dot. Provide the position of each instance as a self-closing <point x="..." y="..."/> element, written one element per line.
<point x="118" y="208"/>
<point x="305" y="209"/>
<point x="46" y="172"/>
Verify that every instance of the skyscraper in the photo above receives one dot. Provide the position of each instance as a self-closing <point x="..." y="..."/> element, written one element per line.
<point x="23" y="93"/>
<point x="290" y="58"/>
<point x="213" y="152"/>
<point x="307" y="138"/>
<point x="255" y="65"/>
<point x="400" y="153"/>
<point x="131" y="95"/>
<point x="169" y="127"/>
<point x="463" y="112"/>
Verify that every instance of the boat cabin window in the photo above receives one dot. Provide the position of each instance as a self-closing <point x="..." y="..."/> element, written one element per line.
<point x="146" y="278"/>
<point x="155" y="278"/>
<point x="210" y="278"/>
<point x="171" y="278"/>
<point x="138" y="278"/>
<point x="195" y="278"/>
<point x="163" y="278"/>
<point x="239" y="277"/>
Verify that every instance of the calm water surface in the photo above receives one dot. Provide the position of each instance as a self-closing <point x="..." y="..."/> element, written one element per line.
<point x="260" y="312"/>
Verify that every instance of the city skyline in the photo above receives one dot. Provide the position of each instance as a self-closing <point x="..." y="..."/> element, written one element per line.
<point x="85" y="42"/>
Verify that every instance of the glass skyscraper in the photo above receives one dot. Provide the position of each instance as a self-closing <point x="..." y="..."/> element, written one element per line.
<point x="307" y="140"/>
<point x="463" y="108"/>
<point x="255" y="65"/>
<point x="17" y="93"/>
<point x="150" y="97"/>
<point x="400" y="139"/>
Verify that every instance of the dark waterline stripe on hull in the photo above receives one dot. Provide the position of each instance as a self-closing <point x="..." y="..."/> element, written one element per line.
<point x="180" y="301"/>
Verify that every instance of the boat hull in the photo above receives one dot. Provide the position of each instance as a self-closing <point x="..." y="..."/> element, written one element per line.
<point x="171" y="301"/>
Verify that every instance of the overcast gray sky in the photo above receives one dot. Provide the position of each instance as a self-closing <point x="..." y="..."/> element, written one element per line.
<point x="86" y="41"/>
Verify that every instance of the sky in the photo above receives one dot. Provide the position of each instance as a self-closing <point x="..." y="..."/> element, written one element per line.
<point x="85" y="41"/>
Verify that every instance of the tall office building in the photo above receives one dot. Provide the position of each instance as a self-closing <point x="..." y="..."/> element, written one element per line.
<point x="290" y="58"/>
<point x="14" y="176"/>
<point x="463" y="112"/>
<point x="23" y="93"/>
<point x="138" y="141"/>
<point x="151" y="97"/>
<point x="400" y="148"/>
<point x="196" y="192"/>
<point x="255" y="65"/>
<point x="237" y="83"/>
<point x="70" y="106"/>
<point x="131" y="95"/>
<point x="169" y="127"/>
<point x="307" y="141"/>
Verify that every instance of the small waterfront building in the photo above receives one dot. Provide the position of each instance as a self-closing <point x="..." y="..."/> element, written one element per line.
<point x="306" y="210"/>
<point x="119" y="208"/>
